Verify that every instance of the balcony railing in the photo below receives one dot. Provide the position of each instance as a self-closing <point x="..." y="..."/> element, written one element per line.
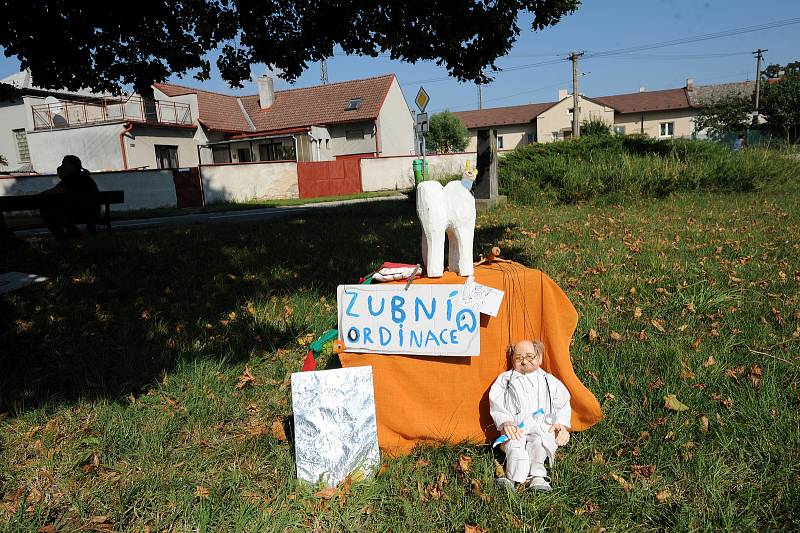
<point x="136" y="109"/>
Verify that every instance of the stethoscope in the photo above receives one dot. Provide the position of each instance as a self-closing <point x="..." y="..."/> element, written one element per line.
<point x="517" y="406"/>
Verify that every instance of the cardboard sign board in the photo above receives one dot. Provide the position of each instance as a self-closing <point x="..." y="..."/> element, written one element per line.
<point x="423" y="320"/>
<point x="335" y="432"/>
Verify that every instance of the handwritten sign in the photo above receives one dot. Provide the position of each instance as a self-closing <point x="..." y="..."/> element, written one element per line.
<point x="423" y="320"/>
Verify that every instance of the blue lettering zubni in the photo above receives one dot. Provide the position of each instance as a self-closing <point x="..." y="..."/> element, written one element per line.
<point x="418" y="303"/>
<point x="431" y="337"/>
<point x="415" y="338"/>
<point x="469" y="327"/>
<point x="398" y="313"/>
<point x="369" y="306"/>
<point x="368" y="336"/>
<point x="400" y="335"/>
<point x="384" y="340"/>
<point x="352" y="334"/>
<point x="442" y="336"/>
<point x="450" y="305"/>
<point x="349" y="310"/>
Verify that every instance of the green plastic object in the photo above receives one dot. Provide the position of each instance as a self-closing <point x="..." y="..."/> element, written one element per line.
<point x="420" y="170"/>
<point x="325" y="338"/>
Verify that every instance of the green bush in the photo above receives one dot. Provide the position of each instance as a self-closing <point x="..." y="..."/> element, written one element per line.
<point x="619" y="167"/>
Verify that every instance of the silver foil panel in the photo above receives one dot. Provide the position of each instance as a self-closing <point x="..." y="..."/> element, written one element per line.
<point x="335" y="433"/>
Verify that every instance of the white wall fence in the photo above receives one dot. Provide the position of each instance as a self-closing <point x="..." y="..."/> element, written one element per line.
<point x="249" y="181"/>
<point x="146" y="189"/>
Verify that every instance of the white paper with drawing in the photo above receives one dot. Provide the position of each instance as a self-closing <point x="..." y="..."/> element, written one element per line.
<point x="481" y="298"/>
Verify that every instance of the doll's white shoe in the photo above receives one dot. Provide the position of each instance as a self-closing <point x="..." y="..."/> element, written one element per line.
<point x="505" y="483"/>
<point x="540" y="483"/>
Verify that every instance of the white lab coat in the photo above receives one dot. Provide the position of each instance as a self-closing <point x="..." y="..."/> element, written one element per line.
<point x="513" y="398"/>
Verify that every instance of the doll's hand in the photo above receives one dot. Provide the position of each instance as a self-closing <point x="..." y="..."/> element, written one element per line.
<point x="561" y="434"/>
<point x="511" y="431"/>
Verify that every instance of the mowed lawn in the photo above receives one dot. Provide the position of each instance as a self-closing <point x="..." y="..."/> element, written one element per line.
<point x="145" y="386"/>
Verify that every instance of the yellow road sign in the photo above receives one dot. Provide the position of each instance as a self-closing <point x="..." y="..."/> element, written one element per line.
<point x="422" y="99"/>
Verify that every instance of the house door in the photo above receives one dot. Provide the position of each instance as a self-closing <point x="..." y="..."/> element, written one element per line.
<point x="188" y="189"/>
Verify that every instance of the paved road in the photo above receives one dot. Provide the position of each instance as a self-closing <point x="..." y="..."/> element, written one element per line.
<point x="224" y="216"/>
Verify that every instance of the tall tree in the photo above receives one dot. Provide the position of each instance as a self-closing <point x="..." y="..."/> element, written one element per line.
<point x="781" y="106"/>
<point x="446" y="133"/>
<point x="729" y="114"/>
<point x="75" y="45"/>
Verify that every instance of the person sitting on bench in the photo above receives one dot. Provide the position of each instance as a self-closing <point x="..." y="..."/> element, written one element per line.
<point x="76" y="181"/>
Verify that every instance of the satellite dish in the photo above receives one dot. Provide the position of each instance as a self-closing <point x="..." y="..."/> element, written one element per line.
<point x="54" y="105"/>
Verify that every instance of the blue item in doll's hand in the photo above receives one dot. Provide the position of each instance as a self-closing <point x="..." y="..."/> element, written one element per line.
<point x="502" y="438"/>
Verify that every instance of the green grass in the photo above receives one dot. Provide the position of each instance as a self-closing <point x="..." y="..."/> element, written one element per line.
<point x="118" y="375"/>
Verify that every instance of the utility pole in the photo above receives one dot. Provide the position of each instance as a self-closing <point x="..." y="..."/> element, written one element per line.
<point x="759" y="56"/>
<point x="480" y="95"/>
<point x="323" y="75"/>
<point x="576" y="119"/>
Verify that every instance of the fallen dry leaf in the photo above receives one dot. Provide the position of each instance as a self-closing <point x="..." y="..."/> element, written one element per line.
<point x="663" y="496"/>
<point x="278" y="431"/>
<point x="755" y="375"/>
<point x="475" y="484"/>
<point x="696" y="344"/>
<point x="672" y="403"/>
<point x="703" y="423"/>
<point x="326" y="493"/>
<point x="658" y="324"/>
<point x="708" y="362"/>
<point x="642" y="471"/>
<point x="201" y="492"/>
<point x="245" y="379"/>
<point x="616" y="336"/>
<point x="608" y="397"/>
<point x="421" y="463"/>
<point x="734" y="373"/>
<point x="49" y="528"/>
<point x="593" y="335"/>
<point x="687" y="374"/>
<point x="464" y="464"/>
<point x="637" y="313"/>
<point x="622" y="481"/>
<point x="643" y="335"/>
<point x="474" y="529"/>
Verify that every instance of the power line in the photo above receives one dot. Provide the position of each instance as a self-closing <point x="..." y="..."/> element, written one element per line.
<point x="495" y="99"/>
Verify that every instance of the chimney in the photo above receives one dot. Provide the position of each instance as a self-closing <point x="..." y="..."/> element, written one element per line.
<point x="690" y="84"/>
<point x="562" y="93"/>
<point x="266" y="92"/>
<point x="641" y="89"/>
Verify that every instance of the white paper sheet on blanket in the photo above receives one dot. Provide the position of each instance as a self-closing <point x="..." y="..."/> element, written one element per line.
<point x="481" y="298"/>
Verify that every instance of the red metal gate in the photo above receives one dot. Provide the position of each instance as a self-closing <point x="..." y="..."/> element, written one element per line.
<point x="188" y="189"/>
<point x="329" y="178"/>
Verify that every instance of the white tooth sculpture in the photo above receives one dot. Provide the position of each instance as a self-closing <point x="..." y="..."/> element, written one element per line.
<point x="450" y="210"/>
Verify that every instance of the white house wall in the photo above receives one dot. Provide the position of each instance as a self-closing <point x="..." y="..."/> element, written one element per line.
<point x="558" y="118"/>
<point x="395" y="124"/>
<point x="341" y="146"/>
<point x="140" y="146"/>
<point x="514" y="136"/>
<point x="96" y="146"/>
<point x="248" y="181"/>
<point x="12" y="117"/>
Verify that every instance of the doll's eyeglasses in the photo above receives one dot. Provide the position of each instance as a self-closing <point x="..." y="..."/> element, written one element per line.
<point x="529" y="357"/>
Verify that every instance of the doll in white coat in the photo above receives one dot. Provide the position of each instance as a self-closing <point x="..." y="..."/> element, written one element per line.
<point x="531" y="408"/>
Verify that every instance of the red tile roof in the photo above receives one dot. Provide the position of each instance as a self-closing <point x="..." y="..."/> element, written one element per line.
<point x="646" y="101"/>
<point x="292" y="108"/>
<point x="499" y="116"/>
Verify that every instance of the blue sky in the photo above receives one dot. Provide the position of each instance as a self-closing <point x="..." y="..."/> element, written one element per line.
<point x="597" y="25"/>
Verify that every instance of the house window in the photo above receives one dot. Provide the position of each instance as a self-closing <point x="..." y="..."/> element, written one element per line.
<point x="667" y="129"/>
<point x="244" y="155"/>
<point x="354" y="135"/>
<point x="353" y="104"/>
<point x="166" y="156"/>
<point x="530" y="138"/>
<point x="571" y="109"/>
<point x="499" y="142"/>
<point x="221" y="154"/>
<point x="619" y="130"/>
<point x="21" y="140"/>
<point x="280" y="150"/>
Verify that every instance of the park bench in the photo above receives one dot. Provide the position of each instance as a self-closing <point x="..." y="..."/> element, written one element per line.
<point x="33" y="202"/>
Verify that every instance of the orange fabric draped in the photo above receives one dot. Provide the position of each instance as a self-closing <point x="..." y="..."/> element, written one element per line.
<point x="446" y="399"/>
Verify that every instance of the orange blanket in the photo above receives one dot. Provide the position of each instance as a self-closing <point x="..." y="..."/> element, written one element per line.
<point x="446" y="399"/>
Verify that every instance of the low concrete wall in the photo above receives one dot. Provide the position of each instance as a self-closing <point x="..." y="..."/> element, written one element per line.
<point x="249" y="181"/>
<point x="396" y="173"/>
<point x="144" y="189"/>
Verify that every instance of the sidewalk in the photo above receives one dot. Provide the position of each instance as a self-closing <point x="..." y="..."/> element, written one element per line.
<point x="239" y="215"/>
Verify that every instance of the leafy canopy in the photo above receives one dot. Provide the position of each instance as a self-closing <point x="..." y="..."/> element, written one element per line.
<point x="730" y="114"/>
<point x="595" y="127"/>
<point x="75" y="45"/>
<point x="446" y="133"/>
